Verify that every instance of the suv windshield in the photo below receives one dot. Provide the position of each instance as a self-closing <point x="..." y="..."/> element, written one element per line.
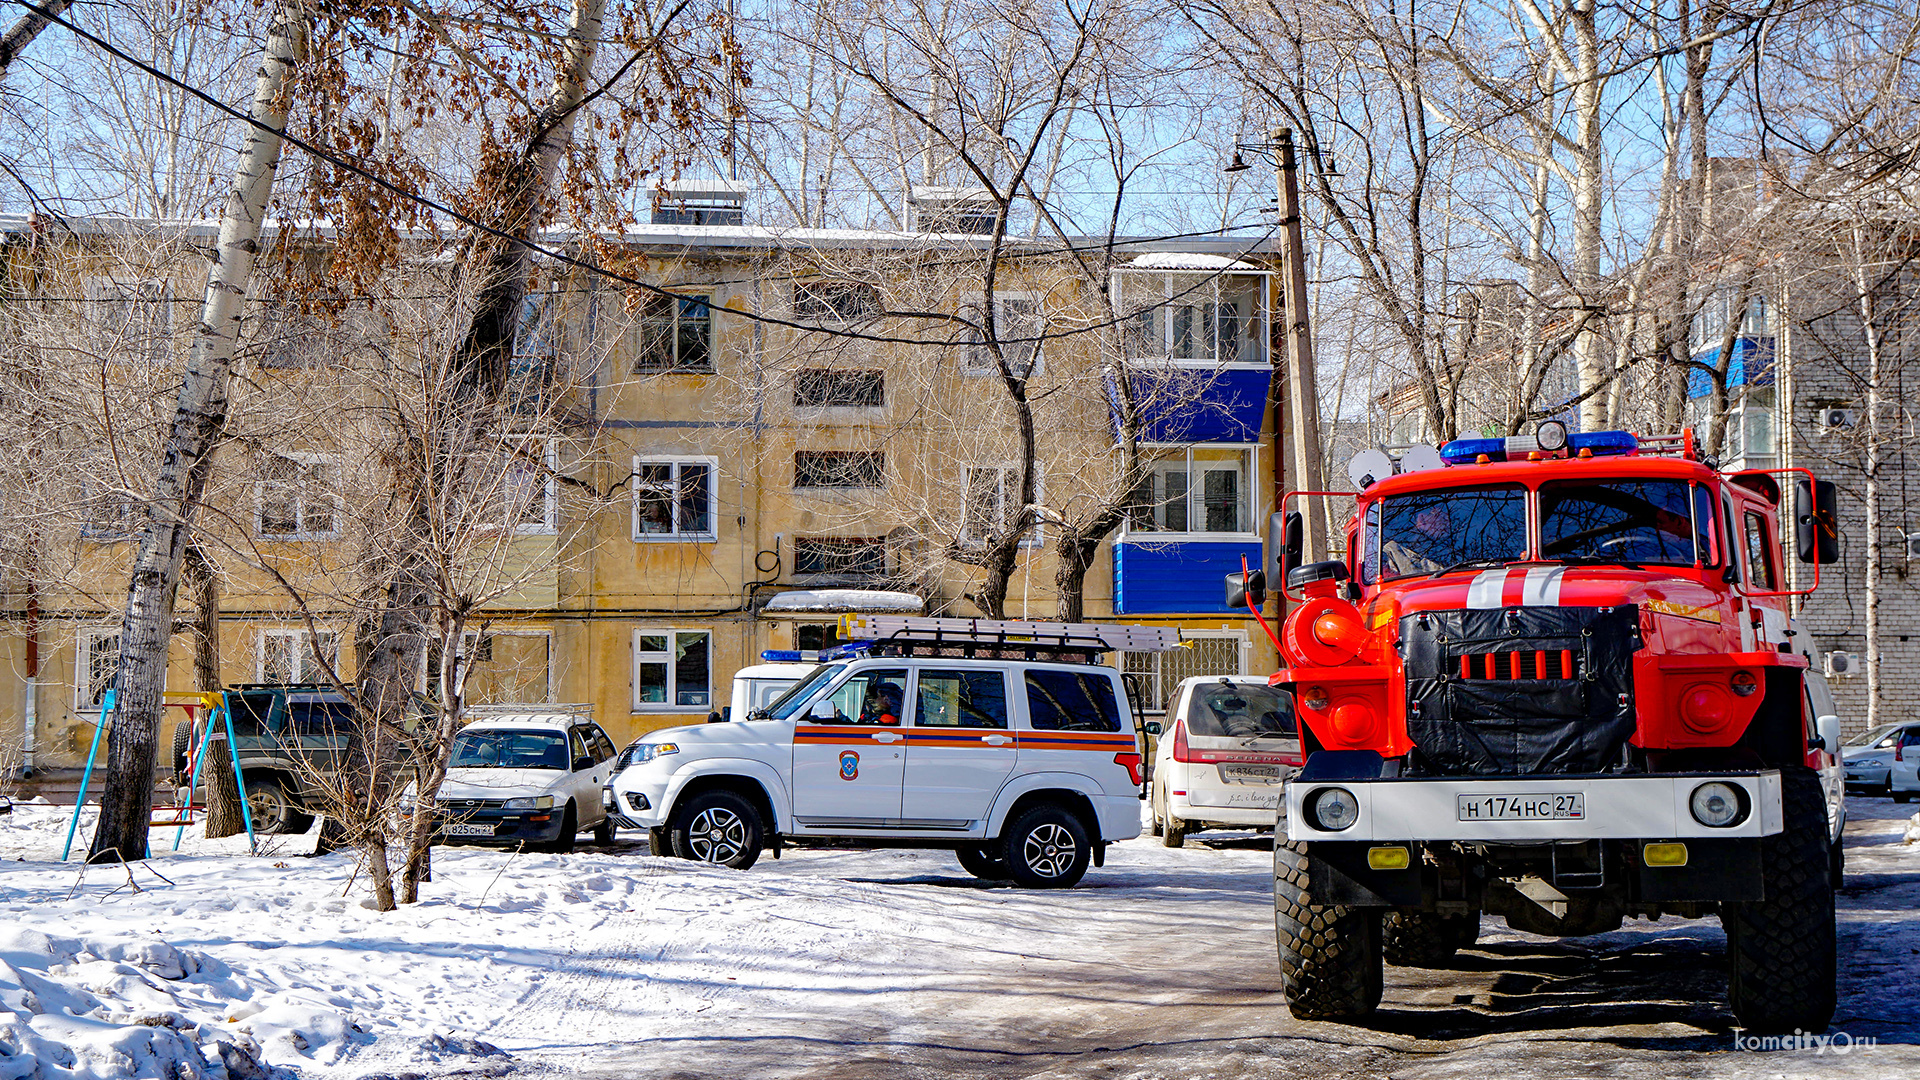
<point x="1624" y="521"/>
<point x="499" y="749"/>
<point x="786" y="703"/>
<point x="1240" y="710"/>
<point x="1429" y="531"/>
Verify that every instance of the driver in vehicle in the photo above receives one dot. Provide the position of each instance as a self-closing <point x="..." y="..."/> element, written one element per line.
<point x="882" y="704"/>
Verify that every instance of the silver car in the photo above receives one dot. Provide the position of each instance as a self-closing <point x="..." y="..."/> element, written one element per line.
<point x="1869" y="757"/>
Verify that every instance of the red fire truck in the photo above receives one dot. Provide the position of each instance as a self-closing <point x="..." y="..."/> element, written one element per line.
<point x="1555" y="679"/>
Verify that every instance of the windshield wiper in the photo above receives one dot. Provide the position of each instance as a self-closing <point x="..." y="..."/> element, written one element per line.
<point x="1595" y="560"/>
<point x="1467" y="564"/>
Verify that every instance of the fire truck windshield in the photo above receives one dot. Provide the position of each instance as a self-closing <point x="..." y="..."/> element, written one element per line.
<point x="1628" y="522"/>
<point x="1429" y="531"/>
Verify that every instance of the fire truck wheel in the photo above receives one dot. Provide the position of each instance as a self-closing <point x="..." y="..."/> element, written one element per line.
<point x="984" y="861"/>
<point x="1426" y="939"/>
<point x="1330" y="958"/>
<point x="1780" y="951"/>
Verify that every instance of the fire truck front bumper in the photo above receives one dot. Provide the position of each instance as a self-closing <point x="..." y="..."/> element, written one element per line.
<point x="1533" y="810"/>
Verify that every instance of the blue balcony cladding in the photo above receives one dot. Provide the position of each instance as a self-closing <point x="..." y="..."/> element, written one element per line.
<point x="1197" y="405"/>
<point x="1178" y="576"/>
<point x="1752" y="364"/>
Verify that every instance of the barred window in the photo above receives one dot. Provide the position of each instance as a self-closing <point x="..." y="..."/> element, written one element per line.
<point x="835" y="301"/>
<point x="852" y="556"/>
<point x="829" y="388"/>
<point x="839" y="468"/>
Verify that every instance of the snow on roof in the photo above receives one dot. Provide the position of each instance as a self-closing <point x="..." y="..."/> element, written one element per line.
<point x="1187" y="260"/>
<point x="816" y="600"/>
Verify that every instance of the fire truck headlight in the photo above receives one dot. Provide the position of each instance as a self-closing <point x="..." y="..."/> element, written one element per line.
<point x="1744" y="683"/>
<point x="1332" y="809"/>
<point x="1551" y="435"/>
<point x="1717" y="805"/>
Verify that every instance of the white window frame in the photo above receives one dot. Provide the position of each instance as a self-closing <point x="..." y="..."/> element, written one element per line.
<point x="976" y="360"/>
<point x="1009" y="476"/>
<point x="87" y="642"/>
<point x="1154" y="689"/>
<point x="549" y="522"/>
<point x="1193" y="289"/>
<point x="713" y="500"/>
<point x="1196" y="511"/>
<point x="302" y="499"/>
<point x="470" y="641"/>
<point x="297" y="673"/>
<point x="671" y="705"/>
<point x="148" y="328"/>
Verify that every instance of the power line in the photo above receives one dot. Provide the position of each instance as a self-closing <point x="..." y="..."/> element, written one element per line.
<point x="557" y="256"/>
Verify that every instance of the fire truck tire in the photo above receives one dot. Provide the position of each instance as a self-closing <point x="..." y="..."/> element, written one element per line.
<point x="1330" y="956"/>
<point x="1780" y="951"/>
<point x="1426" y="939"/>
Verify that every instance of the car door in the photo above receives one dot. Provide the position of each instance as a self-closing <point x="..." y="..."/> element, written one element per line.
<point x="583" y="784"/>
<point x="960" y="746"/>
<point x="849" y="752"/>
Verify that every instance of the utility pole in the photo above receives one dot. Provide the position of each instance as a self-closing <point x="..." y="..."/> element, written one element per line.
<point x="1302" y="400"/>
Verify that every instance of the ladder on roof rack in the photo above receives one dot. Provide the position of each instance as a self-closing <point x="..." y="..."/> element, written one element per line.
<point x="1009" y="634"/>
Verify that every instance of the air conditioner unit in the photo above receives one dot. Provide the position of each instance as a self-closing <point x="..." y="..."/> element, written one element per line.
<point x="1833" y="419"/>
<point x="1844" y="664"/>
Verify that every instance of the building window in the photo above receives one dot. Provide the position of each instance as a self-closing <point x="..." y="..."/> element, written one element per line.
<point x="812" y="637"/>
<point x="1195" y="317"/>
<point x="839" y="468"/>
<point x="993" y="501"/>
<point x="826" y="388"/>
<point x="1208" y="652"/>
<point x="1203" y="489"/>
<point x="840" y="556"/>
<point x="505" y="666"/>
<point x="138" y="315"/>
<point x="1018" y="324"/>
<point x="296" y="656"/>
<point x="108" y="515"/>
<point x="672" y="670"/>
<point x="95" y="662"/>
<point x="526" y="497"/>
<point x="835" y="301"/>
<point x="295" y="498"/>
<point x="673" y="498"/>
<point x="673" y="334"/>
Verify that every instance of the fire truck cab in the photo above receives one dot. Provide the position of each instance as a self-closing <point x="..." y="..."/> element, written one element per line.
<point x="1555" y="679"/>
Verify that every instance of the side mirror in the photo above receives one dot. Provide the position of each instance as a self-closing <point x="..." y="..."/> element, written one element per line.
<point x="1816" y="520"/>
<point x="1284" y="540"/>
<point x="715" y="718"/>
<point x="1154" y="728"/>
<point x="582" y="764"/>
<point x="1246" y="590"/>
<point x="824" y="710"/>
<point x="1827" y="734"/>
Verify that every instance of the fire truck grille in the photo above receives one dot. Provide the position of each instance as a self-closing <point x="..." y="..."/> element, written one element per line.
<point x="1509" y="666"/>
<point x="1519" y="691"/>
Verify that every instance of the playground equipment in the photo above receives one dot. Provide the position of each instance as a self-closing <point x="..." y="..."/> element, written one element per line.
<point x="202" y="710"/>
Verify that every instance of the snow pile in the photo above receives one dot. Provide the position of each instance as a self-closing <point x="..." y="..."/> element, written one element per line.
<point x="1913" y="830"/>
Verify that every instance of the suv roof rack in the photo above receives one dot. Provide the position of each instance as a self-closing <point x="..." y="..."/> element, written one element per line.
<point x="1003" y="639"/>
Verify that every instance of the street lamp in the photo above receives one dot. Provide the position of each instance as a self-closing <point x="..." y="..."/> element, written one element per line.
<point x="1302" y="420"/>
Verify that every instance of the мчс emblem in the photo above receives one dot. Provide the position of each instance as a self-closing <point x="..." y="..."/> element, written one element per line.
<point x="849" y="765"/>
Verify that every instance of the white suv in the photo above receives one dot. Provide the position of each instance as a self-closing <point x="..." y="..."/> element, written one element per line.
<point x="1026" y="769"/>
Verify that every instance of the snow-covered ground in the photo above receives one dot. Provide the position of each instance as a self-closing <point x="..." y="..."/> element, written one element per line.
<point x="840" y="963"/>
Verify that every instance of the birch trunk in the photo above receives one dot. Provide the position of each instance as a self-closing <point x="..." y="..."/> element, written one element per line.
<point x="1863" y="282"/>
<point x="216" y="770"/>
<point x="22" y="32"/>
<point x="186" y="458"/>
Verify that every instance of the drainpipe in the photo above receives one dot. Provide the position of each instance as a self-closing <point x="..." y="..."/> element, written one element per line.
<point x="29" y="736"/>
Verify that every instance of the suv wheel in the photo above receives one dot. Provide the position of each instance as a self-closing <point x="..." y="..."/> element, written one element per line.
<point x="272" y="811"/>
<point x="988" y="861"/>
<point x="1047" y="848"/>
<point x="718" y="827"/>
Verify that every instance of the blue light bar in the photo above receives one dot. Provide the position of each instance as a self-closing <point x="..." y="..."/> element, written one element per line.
<point x="1603" y="443"/>
<point x="842" y="652"/>
<point x="780" y="656"/>
<point x="1468" y="451"/>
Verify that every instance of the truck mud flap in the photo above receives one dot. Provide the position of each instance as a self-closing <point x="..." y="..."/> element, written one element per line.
<point x="1338" y="874"/>
<point x="1716" y="870"/>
